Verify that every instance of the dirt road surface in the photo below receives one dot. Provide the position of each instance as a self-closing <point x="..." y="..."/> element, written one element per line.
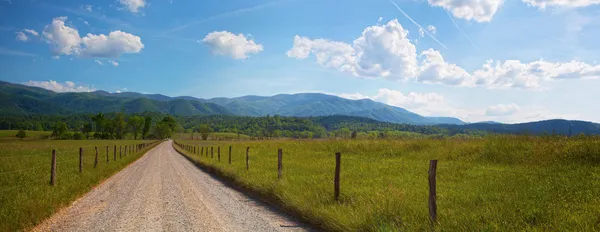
<point x="163" y="191"/>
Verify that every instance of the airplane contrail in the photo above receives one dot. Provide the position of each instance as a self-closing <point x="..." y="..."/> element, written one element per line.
<point x="462" y="32"/>
<point x="418" y="25"/>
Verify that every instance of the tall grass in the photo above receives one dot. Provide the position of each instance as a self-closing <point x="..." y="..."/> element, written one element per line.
<point x="26" y="197"/>
<point x="499" y="183"/>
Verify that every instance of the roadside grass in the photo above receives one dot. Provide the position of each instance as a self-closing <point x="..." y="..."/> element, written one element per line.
<point x="31" y="135"/>
<point x="26" y="197"/>
<point x="497" y="183"/>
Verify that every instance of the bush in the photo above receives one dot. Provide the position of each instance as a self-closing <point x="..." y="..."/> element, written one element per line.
<point x="21" y="134"/>
<point x="77" y="136"/>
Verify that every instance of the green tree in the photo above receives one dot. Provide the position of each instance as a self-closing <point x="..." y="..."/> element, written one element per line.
<point x="120" y="126"/>
<point x="87" y="128"/>
<point x="38" y="126"/>
<point x="136" y="123"/>
<point x="21" y="134"/>
<point x="77" y="136"/>
<point x="147" y="124"/>
<point x="353" y="136"/>
<point x="163" y="130"/>
<point x="60" y="130"/>
<point x="205" y="131"/>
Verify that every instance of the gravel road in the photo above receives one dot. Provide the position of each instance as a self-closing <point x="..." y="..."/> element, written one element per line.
<point x="163" y="191"/>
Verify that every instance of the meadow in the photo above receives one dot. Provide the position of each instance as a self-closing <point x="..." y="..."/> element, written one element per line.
<point x="26" y="196"/>
<point x="496" y="183"/>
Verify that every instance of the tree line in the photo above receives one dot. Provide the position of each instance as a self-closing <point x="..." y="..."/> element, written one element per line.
<point x="158" y="125"/>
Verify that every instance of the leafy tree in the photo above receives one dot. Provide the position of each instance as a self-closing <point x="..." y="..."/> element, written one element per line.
<point x="87" y="128"/>
<point x="38" y="126"/>
<point x="205" y="131"/>
<point x="162" y="130"/>
<point x="60" y="130"/>
<point x="136" y="123"/>
<point x="353" y="136"/>
<point x="119" y="123"/>
<point x="147" y="124"/>
<point x="21" y="134"/>
<point x="77" y="136"/>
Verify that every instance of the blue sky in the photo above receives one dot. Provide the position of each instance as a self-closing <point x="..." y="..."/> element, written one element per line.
<point x="500" y="60"/>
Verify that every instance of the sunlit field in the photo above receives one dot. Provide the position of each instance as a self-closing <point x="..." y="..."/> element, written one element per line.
<point x="498" y="183"/>
<point x="26" y="196"/>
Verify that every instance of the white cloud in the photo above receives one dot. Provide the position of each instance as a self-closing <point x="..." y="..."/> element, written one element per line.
<point x="56" y="57"/>
<point x="114" y="63"/>
<point x="133" y="5"/>
<point x="432" y="29"/>
<point x="66" y="41"/>
<point x="381" y="51"/>
<point x="22" y="37"/>
<point x="543" y="4"/>
<point x="421" y="32"/>
<point x="67" y="86"/>
<point x="99" y="62"/>
<point x="88" y="8"/>
<point x="477" y="10"/>
<point x="228" y="44"/>
<point x="502" y="110"/>
<point x="113" y="45"/>
<point x="385" y="51"/>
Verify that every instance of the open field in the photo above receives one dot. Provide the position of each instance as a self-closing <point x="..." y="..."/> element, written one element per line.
<point x="27" y="197"/>
<point x="213" y="136"/>
<point x="31" y="135"/>
<point x="500" y="183"/>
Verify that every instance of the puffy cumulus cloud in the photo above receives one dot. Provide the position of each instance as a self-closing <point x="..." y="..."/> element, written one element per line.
<point x="383" y="51"/>
<point x="66" y="41"/>
<point x="228" y="44"/>
<point x="542" y="4"/>
<point x="380" y="51"/>
<point x="113" y="63"/>
<point x="114" y="44"/>
<point x="67" y="86"/>
<point x="63" y="39"/>
<point x="421" y="103"/>
<point x="476" y="10"/>
<point x="421" y="32"/>
<point x="133" y="5"/>
<point x="502" y="110"/>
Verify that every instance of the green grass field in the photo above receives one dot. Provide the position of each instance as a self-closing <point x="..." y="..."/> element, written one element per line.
<point x="213" y="136"/>
<point x="26" y="197"/>
<point x="31" y="135"/>
<point x="502" y="183"/>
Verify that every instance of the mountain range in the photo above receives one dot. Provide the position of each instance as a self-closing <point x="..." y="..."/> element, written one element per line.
<point x="21" y="99"/>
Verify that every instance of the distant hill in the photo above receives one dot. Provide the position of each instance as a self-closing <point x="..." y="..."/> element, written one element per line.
<point x="555" y="126"/>
<point x="20" y="99"/>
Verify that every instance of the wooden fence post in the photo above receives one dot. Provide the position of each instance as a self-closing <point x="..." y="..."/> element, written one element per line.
<point x="120" y="152"/>
<point x="247" y="158"/>
<point x="126" y="150"/>
<point x="107" y="154"/>
<point x="219" y="153"/>
<point x="279" y="162"/>
<point x="336" y="180"/>
<point x="229" y="154"/>
<point x="53" y="169"/>
<point x="432" y="192"/>
<point x="96" y="160"/>
<point x="80" y="160"/>
<point x="206" y="152"/>
<point x="194" y="150"/>
<point x="201" y="151"/>
<point x="212" y="155"/>
<point x="115" y="153"/>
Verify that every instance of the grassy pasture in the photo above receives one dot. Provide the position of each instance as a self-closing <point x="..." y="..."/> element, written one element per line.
<point x="31" y="135"/>
<point x="497" y="183"/>
<point x="213" y="136"/>
<point x="26" y="197"/>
